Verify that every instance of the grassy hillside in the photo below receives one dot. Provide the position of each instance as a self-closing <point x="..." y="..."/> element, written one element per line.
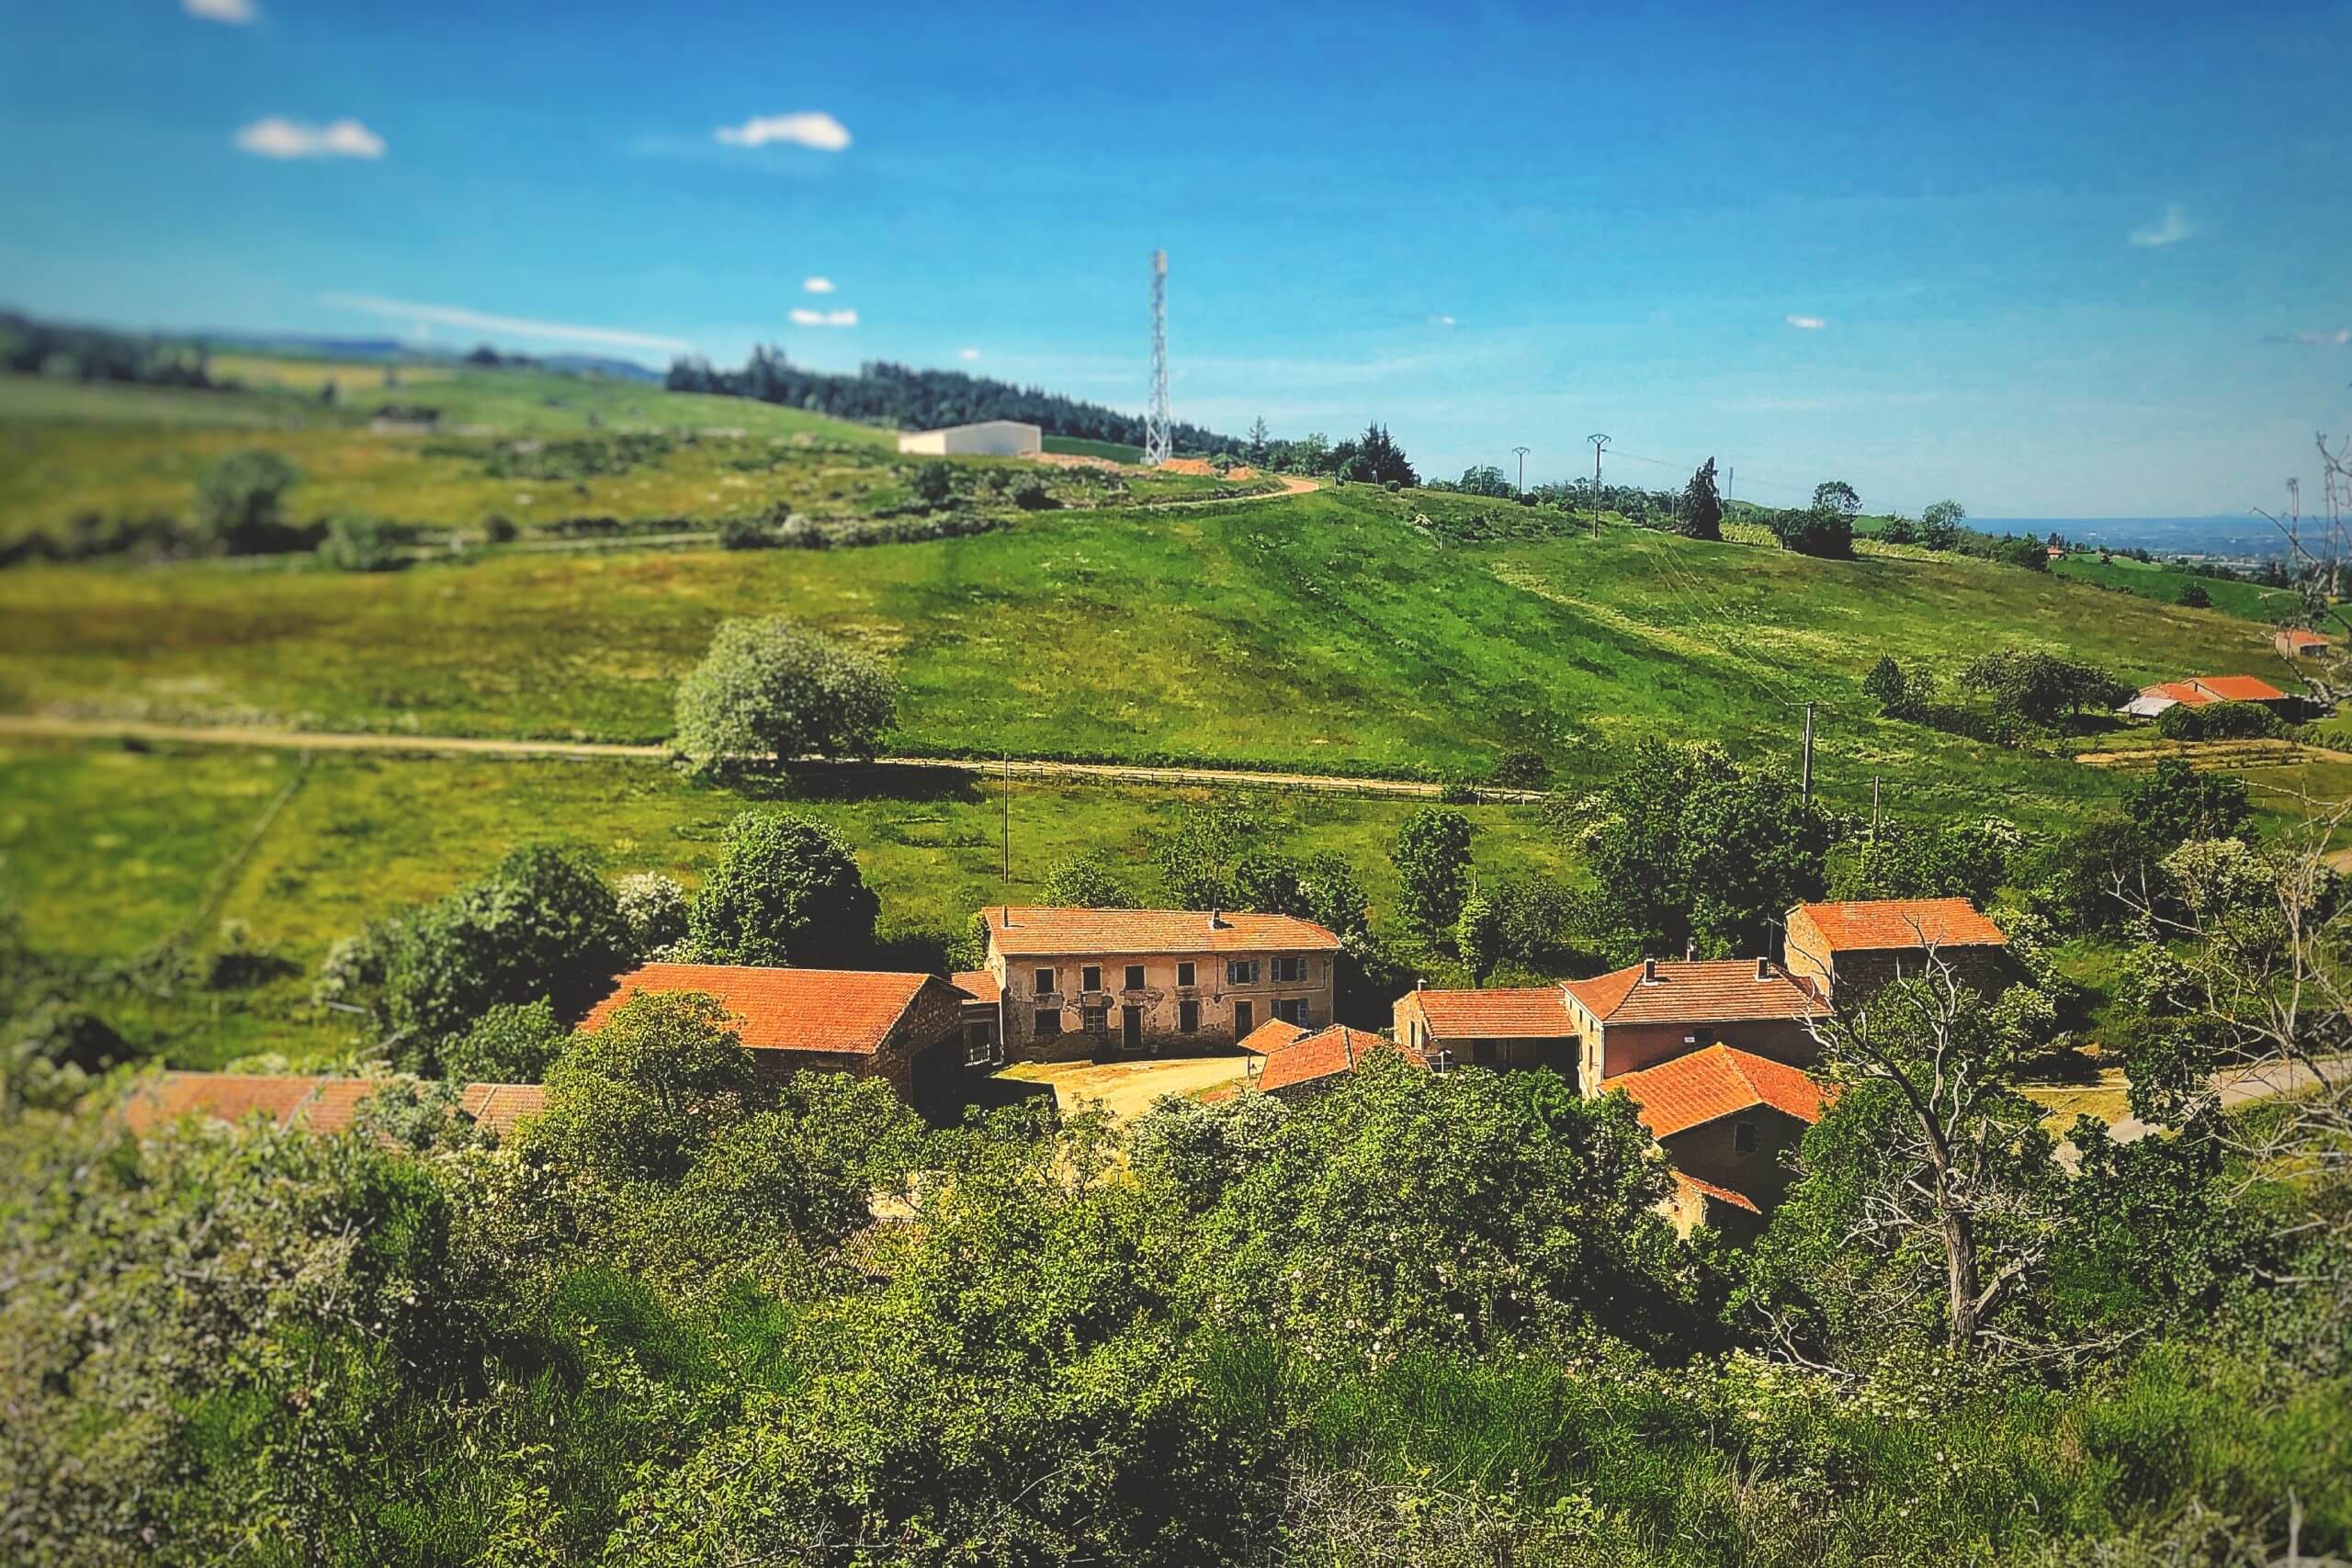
<point x="110" y="851"/>
<point x="1327" y="631"/>
<point x="1115" y="451"/>
<point x="2154" y="579"/>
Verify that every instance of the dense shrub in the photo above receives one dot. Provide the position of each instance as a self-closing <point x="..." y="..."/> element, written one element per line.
<point x="770" y="691"/>
<point x="786" y="890"/>
<point x="363" y="544"/>
<point x="2217" y="721"/>
<point x="747" y="533"/>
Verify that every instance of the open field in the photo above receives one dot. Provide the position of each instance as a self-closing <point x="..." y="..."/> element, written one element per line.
<point x="2154" y="579"/>
<point x="1321" y="633"/>
<point x="364" y="382"/>
<point x="108" y="850"/>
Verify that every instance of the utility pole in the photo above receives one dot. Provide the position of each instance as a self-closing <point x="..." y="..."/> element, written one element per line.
<point x="1008" y="818"/>
<point x="1731" y="476"/>
<point x="1598" y="443"/>
<point x="1873" y="811"/>
<point x="1808" y="751"/>
<point x="1522" y="452"/>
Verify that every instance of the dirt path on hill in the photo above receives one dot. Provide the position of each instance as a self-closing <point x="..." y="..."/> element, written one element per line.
<point x="46" y="726"/>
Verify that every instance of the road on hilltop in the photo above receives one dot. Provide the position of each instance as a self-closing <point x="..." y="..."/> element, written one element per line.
<point x="46" y="726"/>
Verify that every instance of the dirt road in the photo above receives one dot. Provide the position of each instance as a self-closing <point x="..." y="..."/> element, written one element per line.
<point x="1128" y="1088"/>
<point x="44" y="725"/>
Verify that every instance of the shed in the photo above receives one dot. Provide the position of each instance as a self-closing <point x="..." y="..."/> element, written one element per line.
<point x="989" y="438"/>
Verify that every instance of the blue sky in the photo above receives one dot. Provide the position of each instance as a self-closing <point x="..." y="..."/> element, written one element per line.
<point x="2051" y="260"/>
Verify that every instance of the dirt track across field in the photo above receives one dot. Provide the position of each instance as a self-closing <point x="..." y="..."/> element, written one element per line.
<point x="1128" y="1088"/>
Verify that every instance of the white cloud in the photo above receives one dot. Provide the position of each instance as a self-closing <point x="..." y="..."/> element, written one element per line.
<point x="807" y="318"/>
<point x="2170" y="229"/>
<point x="2315" y="340"/>
<point x="279" y="138"/>
<point x="1441" y="321"/>
<point x="817" y="285"/>
<point x="806" y="129"/>
<point x="476" y="320"/>
<point x="968" y="354"/>
<point x="1808" y="324"/>
<point x="236" y="13"/>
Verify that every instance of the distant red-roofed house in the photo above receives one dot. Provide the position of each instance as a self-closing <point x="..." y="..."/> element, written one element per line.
<point x="316" y="1104"/>
<point x="1521" y="1026"/>
<point x="1079" y="982"/>
<point x="1663" y="1008"/>
<point x="1845" y="950"/>
<point x="2300" y="642"/>
<point x="1726" y="1119"/>
<point x="1312" y="1063"/>
<point x="906" y="1029"/>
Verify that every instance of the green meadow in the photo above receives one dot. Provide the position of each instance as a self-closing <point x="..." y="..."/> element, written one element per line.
<point x="111" y="851"/>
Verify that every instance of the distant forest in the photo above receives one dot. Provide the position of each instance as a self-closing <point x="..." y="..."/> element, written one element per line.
<point x="91" y="354"/>
<point x="884" y="393"/>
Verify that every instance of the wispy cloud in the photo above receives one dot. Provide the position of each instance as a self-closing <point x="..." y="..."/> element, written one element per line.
<point x="279" y="138"/>
<point x="519" y="326"/>
<point x="805" y="128"/>
<point x="968" y="354"/>
<point x="817" y="285"/>
<point x="236" y="13"/>
<point x="2314" y="340"/>
<point x="1808" y="324"/>
<point x="2171" y="227"/>
<point x="803" y="317"/>
<point x="1443" y="322"/>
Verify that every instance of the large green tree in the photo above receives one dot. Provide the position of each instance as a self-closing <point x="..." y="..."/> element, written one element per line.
<point x="1701" y="513"/>
<point x="1432" y="860"/>
<point x="786" y="891"/>
<point x="770" y="690"/>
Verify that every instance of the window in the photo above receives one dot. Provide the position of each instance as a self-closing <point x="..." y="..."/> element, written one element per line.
<point x="1292" y="1010"/>
<point x="1743" y="1137"/>
<point x="1290" y="971"/>
<point x="1090" y="978"/>
<point x="1240" y="971"/>
<point x="1242" y="1019"/>
<point x="1045" y="985"/>
<point x="1049" y="1020"/>
<point x="1135" y="977"/>
<point x="1186" y="974"/>
<point x="1483" y="1053"/>
<point x="1094" y="1019"/>
<point x="1188" y="1017"/>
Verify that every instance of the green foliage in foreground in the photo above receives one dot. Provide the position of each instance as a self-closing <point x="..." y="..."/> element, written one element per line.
<point x="1424" y="1319"/>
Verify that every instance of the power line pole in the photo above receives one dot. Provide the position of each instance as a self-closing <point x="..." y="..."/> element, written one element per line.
<point x="1522" y="452"/>
<point x="1598" y="443"/>
<point x="1873" y="811"/>
<point x="1731" y="477"/>
<point x="1808" y="751"/>
<point x="1008" y="818"/>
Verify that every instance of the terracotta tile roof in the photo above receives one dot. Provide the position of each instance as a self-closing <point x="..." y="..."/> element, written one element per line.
<point x="980" y="983"/>
<point x="1705" y="990"/>
<point x="1325" y="1054"/>
<point x="2298" y="636"/>
<point x="837" y="1011"/>
<point x="1719" y="1082"/>
<point x="320" y="1104"/>
<point x="1879" y="924"/>
<point x="2238" y="688"/>
<point x="1050" y="932"/>
<point x="1725" y="1194"/>
<point x="1272" y="1036"/>
<point x="1520" y="1012"/>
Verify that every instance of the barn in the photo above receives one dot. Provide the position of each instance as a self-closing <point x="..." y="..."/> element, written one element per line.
<point x="989" y="438"/>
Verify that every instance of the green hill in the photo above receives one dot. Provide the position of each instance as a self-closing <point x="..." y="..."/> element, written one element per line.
<point x="1326" y="632"/>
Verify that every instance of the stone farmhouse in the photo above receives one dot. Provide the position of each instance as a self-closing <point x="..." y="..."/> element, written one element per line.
<point x="1510" y="1026"/>
<point x="1727" y="1120"/>
<point x="1075" y="983"/>
<point x="1844" y="951"/>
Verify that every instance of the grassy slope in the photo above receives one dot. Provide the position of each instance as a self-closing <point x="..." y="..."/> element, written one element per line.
<point x="1116" y="451"/>
<point x="110" y="851"/>
<point x="1319" y="631"/>
<point x="2153" y="580"/>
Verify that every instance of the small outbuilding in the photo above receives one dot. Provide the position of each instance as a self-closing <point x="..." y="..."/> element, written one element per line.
<point x="2300" y="642"/>
<point x="2199" y="689"/>
<point x="989" y="438"/>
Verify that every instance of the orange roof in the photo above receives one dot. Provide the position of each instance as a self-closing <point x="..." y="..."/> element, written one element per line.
<point x="1688" y="1091"/>
<point x="1325" y="1054"/>
<point x="2297" y="637"/>
<point x="1738" y="1199"/>
<point x="1272" y="1036"/>
<point x="1879" y="924"/>
<point x="1697" y="991"/>
<point x="320" y="1104"/>
<point x="837" y="1011"/>
<point x="1051" y="930"/>
<point x="2238" y="688"/>
<point x="1517" y="1012"/>
<point x="979" y="984"/>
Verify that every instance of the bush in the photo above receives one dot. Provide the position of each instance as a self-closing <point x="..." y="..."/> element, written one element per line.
<point x="1030" y="495"/>
<point x="510" y="1042"/>
<point x="770" y="690"/>
<point x="2030" y="554"/>
<point x="653" y="913"/>
<point x="2194" y="597"/>
<point x="1900" y="531"/>
<point x="2217" y="721"/>
<point x="1822" y="530"/>
<point x="1522" y="769"/>
<point x="500" y="529"/>
<point x="935" y="484"/>
<point x="363" y="544"/>
<point x="746" y="534"/>
<point x="1089" y="881"/>
<point x="239" y="502"/>
<point x="1392" y="487"/>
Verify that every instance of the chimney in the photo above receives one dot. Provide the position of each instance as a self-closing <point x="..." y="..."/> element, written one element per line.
<point x="1217" y="920"/>
<point x="1419" y="984"/>
<point x="1649" y="971"/>
<point x="1691" y="951"/>
<point x="1764" y="968"/>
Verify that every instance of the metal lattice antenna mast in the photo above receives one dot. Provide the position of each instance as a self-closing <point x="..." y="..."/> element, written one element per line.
<point x="1157" y="426"/>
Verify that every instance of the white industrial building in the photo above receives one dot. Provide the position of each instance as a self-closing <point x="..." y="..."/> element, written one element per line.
<point x="989" y="438"/>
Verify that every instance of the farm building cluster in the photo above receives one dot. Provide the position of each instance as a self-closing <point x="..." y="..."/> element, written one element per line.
<point x="1714" y="1054"/>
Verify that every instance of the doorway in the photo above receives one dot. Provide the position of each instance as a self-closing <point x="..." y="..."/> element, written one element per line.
<point x="1131" y="1027"/>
